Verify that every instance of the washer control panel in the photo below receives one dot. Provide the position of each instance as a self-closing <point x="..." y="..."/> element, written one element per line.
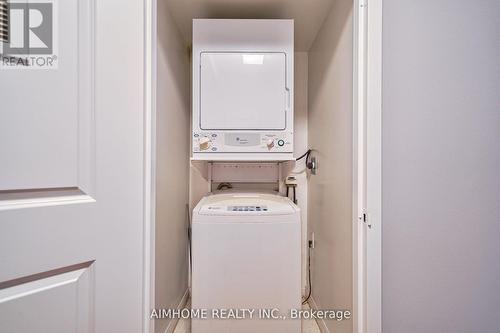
<point x="247" y="208"/>
<point x="242" y="142"/>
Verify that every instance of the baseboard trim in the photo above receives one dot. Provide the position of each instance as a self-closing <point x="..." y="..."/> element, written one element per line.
<point x="321" y="322"/>
<point x="173" y="323"/>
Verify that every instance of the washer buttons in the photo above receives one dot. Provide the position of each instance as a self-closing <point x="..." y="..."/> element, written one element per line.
<point x="281" y="143"/>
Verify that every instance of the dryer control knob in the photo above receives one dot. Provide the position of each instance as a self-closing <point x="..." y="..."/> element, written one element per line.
<point x="270" y="143"/>
<point x="204" y="143"/>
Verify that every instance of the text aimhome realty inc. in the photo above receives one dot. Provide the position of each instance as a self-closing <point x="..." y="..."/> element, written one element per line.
<point x="239" y="314"/>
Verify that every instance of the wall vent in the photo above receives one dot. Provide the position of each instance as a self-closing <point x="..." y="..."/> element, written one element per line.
<point x="4" y="21"/>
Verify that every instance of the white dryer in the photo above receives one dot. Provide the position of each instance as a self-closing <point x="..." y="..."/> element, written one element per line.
<point x="246" y="255"/>
<point x="242" y="91"/>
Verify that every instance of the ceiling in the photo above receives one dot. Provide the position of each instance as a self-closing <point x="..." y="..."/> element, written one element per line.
<point x="308" y="14"/>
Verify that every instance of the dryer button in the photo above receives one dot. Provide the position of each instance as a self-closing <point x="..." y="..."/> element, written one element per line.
<point x="204" y="143"/>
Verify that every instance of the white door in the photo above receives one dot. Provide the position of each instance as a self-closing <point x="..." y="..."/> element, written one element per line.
<point x="71" y="176"/>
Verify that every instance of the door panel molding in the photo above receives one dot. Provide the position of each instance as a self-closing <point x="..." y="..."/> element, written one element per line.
<point x="61" y="298"/>
<point x="15" y="189"/>
<point x="86" y="102"/>
<point x="29" y="198"/>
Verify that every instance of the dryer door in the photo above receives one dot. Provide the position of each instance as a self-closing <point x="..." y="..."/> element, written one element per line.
<point x="243" y="91"/>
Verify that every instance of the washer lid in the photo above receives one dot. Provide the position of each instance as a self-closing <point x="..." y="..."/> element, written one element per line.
<point x="246" y="203"/>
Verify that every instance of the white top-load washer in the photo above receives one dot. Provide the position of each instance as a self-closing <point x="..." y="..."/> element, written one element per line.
<point x="246" y="255"/>
<point x="242" y="89"/>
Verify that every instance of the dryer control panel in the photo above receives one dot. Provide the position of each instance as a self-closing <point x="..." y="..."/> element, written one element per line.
<point x="252" y="142"/>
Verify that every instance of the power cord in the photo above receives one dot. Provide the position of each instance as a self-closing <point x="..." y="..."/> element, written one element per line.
<point x="306" y="155"/>
<point x="189" y="236"/>
<point x="224" y="186"/>
<point x="309" y="248"/>
<point x="309" y="165"/>
<point x="309" y="272"/>
<point x="293" y="186"/>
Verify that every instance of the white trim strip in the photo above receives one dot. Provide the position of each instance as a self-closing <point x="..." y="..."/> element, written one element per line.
<point x="374" y="168"/>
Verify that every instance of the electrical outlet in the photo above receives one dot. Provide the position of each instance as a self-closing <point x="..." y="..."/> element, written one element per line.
<point x="291" y="180"/>
<point x="313" y="165"/>
<point x="312" y="241"/>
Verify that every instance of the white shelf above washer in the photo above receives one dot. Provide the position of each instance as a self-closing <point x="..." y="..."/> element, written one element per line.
<point x="243" y="157"/>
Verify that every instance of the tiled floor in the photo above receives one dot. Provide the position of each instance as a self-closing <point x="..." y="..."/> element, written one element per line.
<point x="308" y="325"/>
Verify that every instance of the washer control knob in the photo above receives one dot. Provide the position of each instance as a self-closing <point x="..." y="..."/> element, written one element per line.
<point x="204" y="143"/>
<point x="270" y="143"/>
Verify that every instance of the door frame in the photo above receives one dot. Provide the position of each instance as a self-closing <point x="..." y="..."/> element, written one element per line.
<point x="359" y="170"/>
<point x="367" y="164"/>
<point x="374" y="167"/>
<point x="150" y="70"/>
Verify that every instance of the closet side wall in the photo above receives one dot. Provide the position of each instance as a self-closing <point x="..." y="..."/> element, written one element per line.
<point x="330" y="134"/>
<point x="172" y="166"/>
<point x="300" y="147"/>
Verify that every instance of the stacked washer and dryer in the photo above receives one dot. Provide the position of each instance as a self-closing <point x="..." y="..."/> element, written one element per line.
<point x="246" y="251"/>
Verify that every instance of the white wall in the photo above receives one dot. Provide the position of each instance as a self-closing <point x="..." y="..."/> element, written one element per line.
<point x="172" y="166"/>
<point x="441" y="162"/>
<point x="330" y="134"/>
<point x="300" y="147"/>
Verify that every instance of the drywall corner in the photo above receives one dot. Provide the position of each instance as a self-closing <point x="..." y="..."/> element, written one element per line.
<point x="172" y="166"/>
